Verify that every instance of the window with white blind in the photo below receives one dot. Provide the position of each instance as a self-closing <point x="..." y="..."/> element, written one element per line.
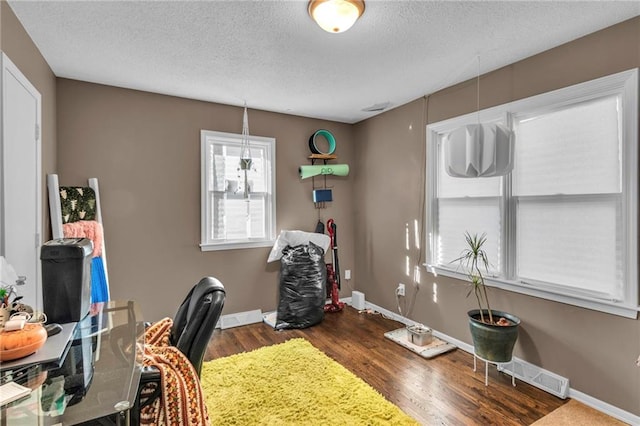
<point x="231" y="217"/>
<point x="563" y="224"/>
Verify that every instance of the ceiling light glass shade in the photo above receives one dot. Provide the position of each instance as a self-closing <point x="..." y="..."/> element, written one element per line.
<point x="336" y="16"/>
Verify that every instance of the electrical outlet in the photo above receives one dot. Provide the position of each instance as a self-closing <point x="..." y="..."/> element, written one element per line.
<point x="347" y="274"/>
<point x="400" y="289"/>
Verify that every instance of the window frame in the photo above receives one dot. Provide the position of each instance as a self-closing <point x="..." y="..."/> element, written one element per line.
<point x="209" y="137"/>
<point x="623" y="84"/>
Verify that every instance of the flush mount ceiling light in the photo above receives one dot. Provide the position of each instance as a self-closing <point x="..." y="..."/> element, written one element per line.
<point x="336" y="16"/>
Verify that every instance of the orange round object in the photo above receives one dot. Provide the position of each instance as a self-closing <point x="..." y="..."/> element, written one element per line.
<point x="20" y="343"/>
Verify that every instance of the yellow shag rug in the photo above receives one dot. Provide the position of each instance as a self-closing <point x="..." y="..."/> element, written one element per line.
<point x="292" y="383"/>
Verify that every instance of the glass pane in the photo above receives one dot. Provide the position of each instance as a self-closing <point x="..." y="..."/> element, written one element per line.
<point x="460" y="187"/>
<point x="218" y="216"/>
<point x="216" y="177"/>
<point x="259" y="171"/>
<point x="477" y="216"/>
<point x="572" y="151"/>
<point x="258" y="219"/>
<point x="234" y="218"/>
<point x="575" y="244"/>
<point x="229" y="177"/>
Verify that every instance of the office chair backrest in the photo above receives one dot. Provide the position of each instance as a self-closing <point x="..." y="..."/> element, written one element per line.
<point x="196" y="319"/>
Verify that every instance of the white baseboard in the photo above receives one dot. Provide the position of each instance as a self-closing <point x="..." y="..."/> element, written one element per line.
<point x="240" y="318"/>
<point x="595" y="403"/>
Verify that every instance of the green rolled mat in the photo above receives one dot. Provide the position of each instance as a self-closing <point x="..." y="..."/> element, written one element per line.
<point x="325" y="169"/>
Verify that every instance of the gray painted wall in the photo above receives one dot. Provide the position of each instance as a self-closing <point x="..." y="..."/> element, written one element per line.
<point x="144" y="148"/>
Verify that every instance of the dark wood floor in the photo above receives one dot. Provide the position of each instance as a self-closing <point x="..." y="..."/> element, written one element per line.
<point x="442" y="391"/>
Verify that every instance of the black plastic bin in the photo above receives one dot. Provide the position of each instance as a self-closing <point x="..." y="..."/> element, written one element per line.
<point x="66" y="279"/>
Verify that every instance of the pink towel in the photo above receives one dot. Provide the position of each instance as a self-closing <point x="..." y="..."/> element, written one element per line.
<point x="85" y="229"/>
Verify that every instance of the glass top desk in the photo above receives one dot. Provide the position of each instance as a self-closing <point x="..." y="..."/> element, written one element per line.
<point x="97" y="377"/>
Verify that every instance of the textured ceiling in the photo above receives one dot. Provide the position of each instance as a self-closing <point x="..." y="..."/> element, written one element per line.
<point x="271" y="55"/>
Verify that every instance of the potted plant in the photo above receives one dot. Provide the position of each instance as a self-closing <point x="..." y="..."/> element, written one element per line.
<point x="494" y="333"/>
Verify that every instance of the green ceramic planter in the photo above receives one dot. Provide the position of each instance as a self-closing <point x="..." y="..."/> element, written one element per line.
<point x="493" y="342"/>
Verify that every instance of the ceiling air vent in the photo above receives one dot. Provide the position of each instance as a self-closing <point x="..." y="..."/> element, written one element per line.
<point x="377" y="107"/>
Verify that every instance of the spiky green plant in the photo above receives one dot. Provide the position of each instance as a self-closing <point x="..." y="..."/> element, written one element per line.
<point x="472" y="258"/>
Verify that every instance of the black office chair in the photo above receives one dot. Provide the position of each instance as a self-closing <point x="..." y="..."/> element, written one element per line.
<point x="191" y="332"/>
<point x="196" y="319"/>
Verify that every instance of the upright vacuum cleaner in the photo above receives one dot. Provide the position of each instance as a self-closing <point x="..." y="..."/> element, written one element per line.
<point x="333" y="271"/>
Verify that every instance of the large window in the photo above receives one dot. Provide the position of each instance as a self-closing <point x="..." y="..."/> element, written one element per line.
<point x="235" y="216"/>
<point x="563" y="224"/>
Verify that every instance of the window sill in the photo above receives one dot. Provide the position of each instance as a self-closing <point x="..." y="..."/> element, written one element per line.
<point x="236" y="245"/>
<point x="614" y="308"/>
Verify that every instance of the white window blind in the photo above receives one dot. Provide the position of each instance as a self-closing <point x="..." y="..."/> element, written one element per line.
<point x="478" y="216"/>
<point x="563" y="224"/>
<point x="587" y="134"/>
<point x="567" y="181"/>
<point x="229" y="219"/>
<point x="574" y="243"/>
<point x="467" y="205"/>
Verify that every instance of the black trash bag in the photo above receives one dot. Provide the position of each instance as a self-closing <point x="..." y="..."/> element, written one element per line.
<point x="303" y="281"/>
